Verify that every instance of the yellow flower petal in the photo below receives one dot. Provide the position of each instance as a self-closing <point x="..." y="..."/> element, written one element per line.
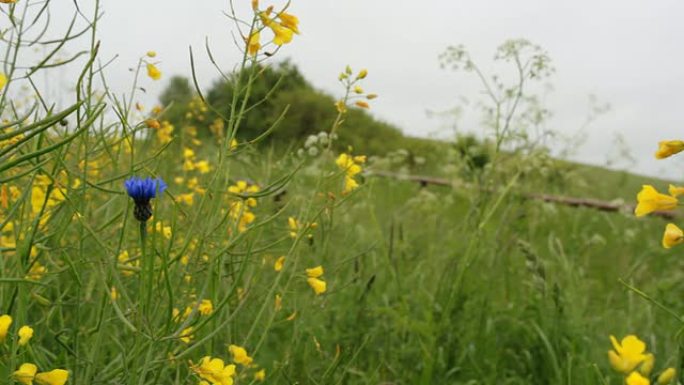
<point x="53" y="377"/>
<point x="25" y="334"/>
<point x="319" y="286"/>
<point x="5" y="323"/>
<point x="650" y="200"/>
<point x="636" y="379"/>
<point x="153" y="72"/>
<point x="666" y="376"/>
<point x="315" y="272"/>
<point x="25" y="374"/>
<point x="673" y="236"/>
<point x="668" y="148"/>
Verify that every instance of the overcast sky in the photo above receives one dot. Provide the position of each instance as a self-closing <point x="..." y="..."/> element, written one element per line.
<point x="626" y="53"/>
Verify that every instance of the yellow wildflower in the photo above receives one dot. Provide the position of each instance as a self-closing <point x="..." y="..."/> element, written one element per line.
<point x="650" y="200"/>
<point x="627" y="354"/>
<point x="186" y="335"/>
<point x="36" y="272"/>
<point x="253" y="43"/>
<point x="164" y="133"/>
<point x="666" y="376"/>
<point x="319" y="286"/>
<point x="215" y="371"/>
<point x="25" y="374"/>
<point x="205" y="307"/>
<point x="358" y="90"/>
<point x="153" y="123"/>
<point x="153" y="72"/>
<point x="260" y="375"/>
<point x="202" y="166"/>
<point x="188" y="198"/>
<point x="151" y="54"/>
<point x="53" y="377"/>
<point x="314" y="272"/>
<point x="362" y="74"/>
<point x="164" y="230"/>
<point x="233" y="144"/>
<point x="188" y="153"/>
<point x="113" y="294"/>
<point x="279" y="263"/>
<point x="675" y="191"/>
<point x="3" y="80"/>
<point x="289" y="21"/>
<point x="293" y="225"/>
<point x="25" y="334"/>
<point x="282" y="35"/>
<point x="636" y="379"/>
<point x="240" y="355"/>
<point x="673" y="236"/>
<point x="5" y="323"/>
<point x="646" y="367"/>
<point x="350" y="184"/>
<point x="668" y="148"/>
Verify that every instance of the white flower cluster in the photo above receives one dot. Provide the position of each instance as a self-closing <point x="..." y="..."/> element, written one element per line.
<point x="314" y="144"/>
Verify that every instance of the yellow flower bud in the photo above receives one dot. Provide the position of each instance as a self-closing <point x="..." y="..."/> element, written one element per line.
<point x="666" y="377"/>
<point x="362" y="74"/>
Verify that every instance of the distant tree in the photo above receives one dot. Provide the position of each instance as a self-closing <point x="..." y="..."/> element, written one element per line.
<point x="277" y="87"/>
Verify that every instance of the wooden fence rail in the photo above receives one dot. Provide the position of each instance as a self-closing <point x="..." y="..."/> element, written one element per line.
<point x="558" y="199"/>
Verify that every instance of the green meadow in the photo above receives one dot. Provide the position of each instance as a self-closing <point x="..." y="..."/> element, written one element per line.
<point x="263" y="231"/>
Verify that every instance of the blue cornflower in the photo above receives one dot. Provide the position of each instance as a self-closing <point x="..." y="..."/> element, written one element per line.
<point x="142" y="190"/>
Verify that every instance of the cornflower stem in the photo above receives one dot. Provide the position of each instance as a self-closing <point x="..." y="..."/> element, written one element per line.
<point x="146" y="273"/>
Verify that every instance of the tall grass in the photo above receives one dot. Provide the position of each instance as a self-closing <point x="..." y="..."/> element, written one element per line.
<point x="419" y="285"/>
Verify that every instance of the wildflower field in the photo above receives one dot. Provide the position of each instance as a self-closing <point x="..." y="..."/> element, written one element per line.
<point x="244" y="235"/>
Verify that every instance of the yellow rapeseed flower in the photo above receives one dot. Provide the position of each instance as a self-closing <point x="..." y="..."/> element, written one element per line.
<point x="215" y="371"/>
<point x="636" y="379"/>
<point x="186" y="335"/>
<point x="666" y="376"/>
<point x="672" y="236"/>
<point x="646" y="367"/>
<point x="152" y="123"/>
<point x="260" y="375"/>
<point x="289" y="21"/>
<point x="153" y="72"/>
<point x="668" y="148"/>
<point x="675" y="191"/>
<point x="53" y="377"/>
<point x="319" y="286"/>
<point x="25" y="333"/>
<point x="627" y="354"/>
<point x="315" y="272"/>
<point x="203" y="166"/>
<point x="253" y="43"/>
<point x="205" y="307"/>
<point x="25" y="374"/>
<point x="650" y="200"/>
<point x="188" y="198"/>
<point x="5" y="323"/>
<point x="3" y="80"/>
<point x="240" y="355"/>
<point x="279" y="263"/>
